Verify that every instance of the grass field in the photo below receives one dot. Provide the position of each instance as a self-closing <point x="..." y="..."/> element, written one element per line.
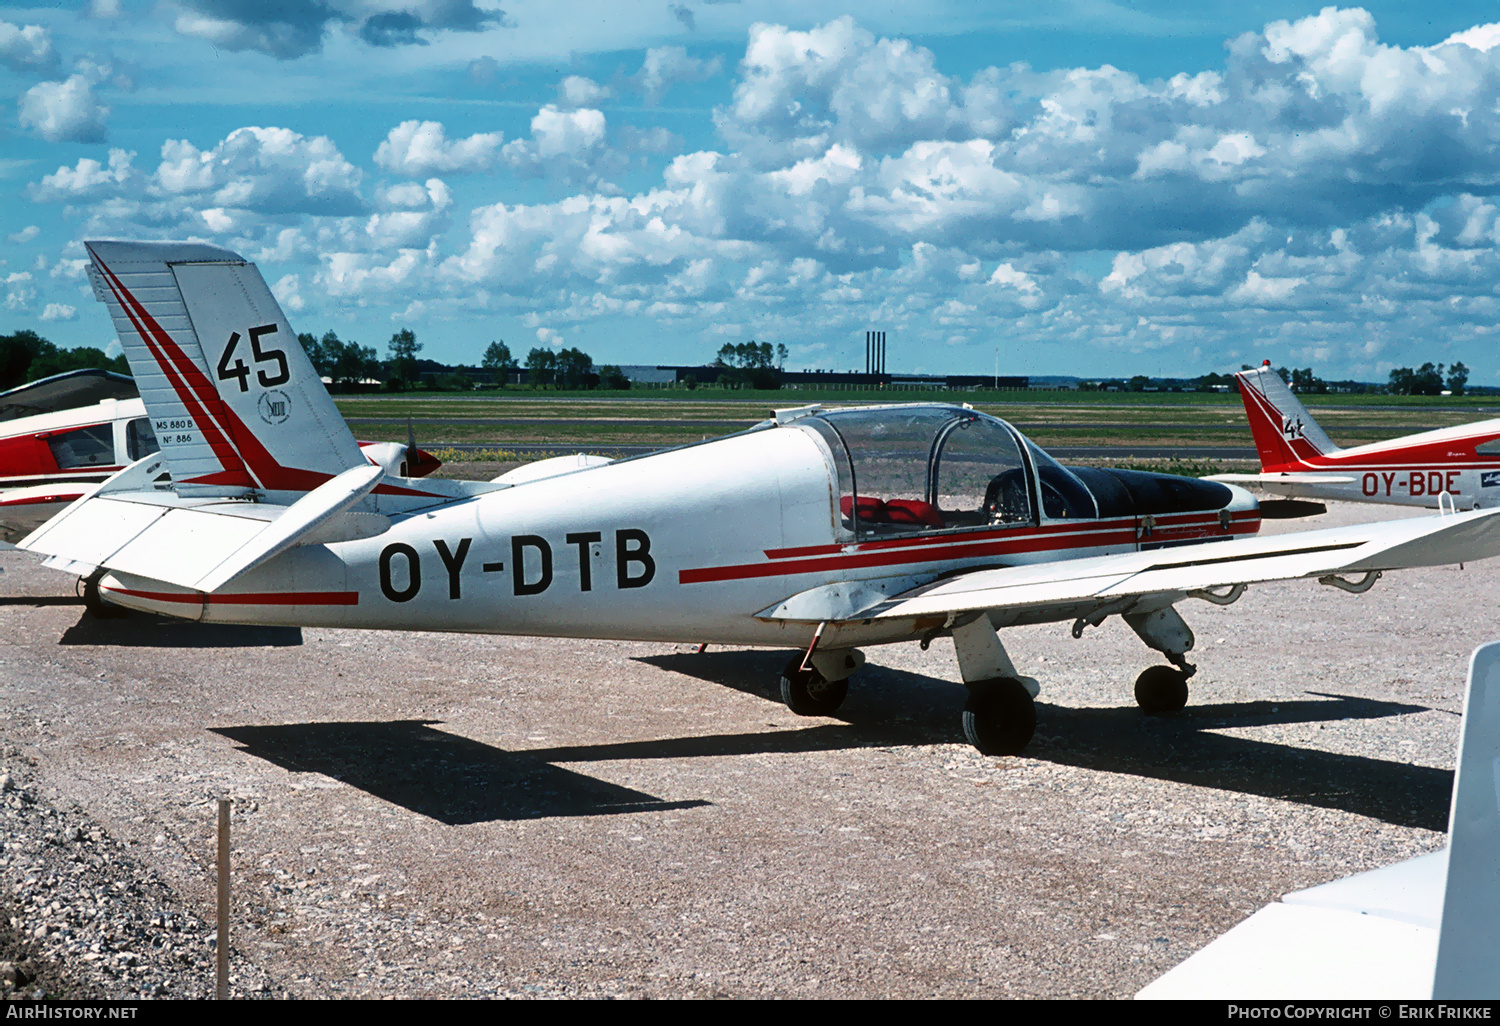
<point x="672" y="417"/>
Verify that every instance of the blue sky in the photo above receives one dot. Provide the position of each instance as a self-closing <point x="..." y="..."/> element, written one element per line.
<point x="1094" y="188"/>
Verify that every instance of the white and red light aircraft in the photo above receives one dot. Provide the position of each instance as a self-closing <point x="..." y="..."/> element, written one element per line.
<point x="1450" y="468"/>
<point x="821" y="530"/>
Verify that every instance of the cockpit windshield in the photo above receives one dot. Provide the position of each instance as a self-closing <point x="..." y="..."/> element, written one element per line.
<point x="932" y="468"/>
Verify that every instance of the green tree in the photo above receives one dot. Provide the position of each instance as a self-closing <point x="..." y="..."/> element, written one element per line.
<point x="1425" y="380"/>
<point x="497" y="358"/>
<point x="575" y="368"/>
<point x="353" y="363"/>
<point x="1305" y="381"/>
<point x="404" y="348"/>
<point x="612" y="377"/>
<point x="1458" y="378"/>
<point x="26" y="356"/>
<point x="17" y="351"/>
<point x="314" y="350"/>
<point x="750" y="363"/>
<point x="541" y="366"/>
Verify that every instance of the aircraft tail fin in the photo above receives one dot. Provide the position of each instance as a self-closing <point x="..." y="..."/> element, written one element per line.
<point x="1285" y="433"/>
<point x="234" y="401"/>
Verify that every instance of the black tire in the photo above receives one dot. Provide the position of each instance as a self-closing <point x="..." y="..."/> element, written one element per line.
<point x="94" y="603"/>
<point x="806" y="693"/>
<point x="1000" y="716"/>
<point x="1160" y="690"/>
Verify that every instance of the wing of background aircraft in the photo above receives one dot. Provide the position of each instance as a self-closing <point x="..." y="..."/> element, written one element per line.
<point x="1425" y="928"/>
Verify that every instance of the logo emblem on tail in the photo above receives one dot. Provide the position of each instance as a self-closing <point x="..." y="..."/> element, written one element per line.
<point x="274" y="406"/>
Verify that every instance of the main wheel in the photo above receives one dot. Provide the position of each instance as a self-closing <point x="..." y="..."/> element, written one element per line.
<point x="1161" y="689"/>
<point x="807" y="693"/>
<point x="1000" y="716"/>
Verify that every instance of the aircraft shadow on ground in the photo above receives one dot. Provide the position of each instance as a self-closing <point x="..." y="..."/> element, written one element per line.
<point x="148" y="631"/>
<point x="892" y="707"/>
<point x="40" y="600"/>
<point x="442" y="776"/>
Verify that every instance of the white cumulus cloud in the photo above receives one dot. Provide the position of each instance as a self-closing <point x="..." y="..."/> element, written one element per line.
<point x="64" y="111"/>
<point x="26" y="47"/>
<point x="423" y="148"/>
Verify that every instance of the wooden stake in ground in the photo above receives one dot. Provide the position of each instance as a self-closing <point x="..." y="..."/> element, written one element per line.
<point x="223" y="989"/>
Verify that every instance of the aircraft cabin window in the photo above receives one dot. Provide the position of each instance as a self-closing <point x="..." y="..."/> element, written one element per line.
<point x="1490" y="448"/>
<point x="1064" y="496"/>
<point x="918" y="469"/>
<point x="140" y="440"/>
<point x="86" y="447"/>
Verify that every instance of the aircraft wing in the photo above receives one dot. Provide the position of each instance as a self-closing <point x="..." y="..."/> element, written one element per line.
<point x="1427" y="928"/>
<point x="1068" y="585"/>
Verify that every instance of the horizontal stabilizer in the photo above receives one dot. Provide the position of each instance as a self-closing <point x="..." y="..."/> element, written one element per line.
<point x="200" y="543"/>
<point x="302" y="518"/>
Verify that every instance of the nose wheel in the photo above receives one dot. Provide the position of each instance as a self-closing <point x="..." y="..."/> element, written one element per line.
<point x="808" y="693"/>
<point x="1000" y="716"/>
<point x="1161" y="689"/>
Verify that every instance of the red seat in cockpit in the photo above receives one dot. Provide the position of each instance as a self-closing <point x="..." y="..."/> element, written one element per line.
<point x="913" y="511"/>
<point x="871" y="509"/>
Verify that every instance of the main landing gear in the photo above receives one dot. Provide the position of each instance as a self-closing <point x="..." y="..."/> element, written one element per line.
<point x="1000" y="715"/>
<point x="1159" y="689"/>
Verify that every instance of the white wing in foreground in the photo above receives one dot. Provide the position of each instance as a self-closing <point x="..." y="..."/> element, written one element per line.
<point x="1425" y="928"/>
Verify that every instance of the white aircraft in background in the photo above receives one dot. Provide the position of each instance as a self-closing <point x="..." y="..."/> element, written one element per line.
<point x="820" y="530"/>
<point x="61" y="436"/>
<point x="1450" y="468"/>
<point x="1426" y="928"/>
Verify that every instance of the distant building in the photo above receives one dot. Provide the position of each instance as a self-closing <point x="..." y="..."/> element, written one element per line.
<point x="707" y="374"/>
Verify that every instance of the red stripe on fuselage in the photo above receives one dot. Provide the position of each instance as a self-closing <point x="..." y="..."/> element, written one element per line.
<point x="932" y="549"/>
<point x="1161" y="522"/>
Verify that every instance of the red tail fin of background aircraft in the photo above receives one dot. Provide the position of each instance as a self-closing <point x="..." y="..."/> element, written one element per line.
<point x="1286" y="436"/>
